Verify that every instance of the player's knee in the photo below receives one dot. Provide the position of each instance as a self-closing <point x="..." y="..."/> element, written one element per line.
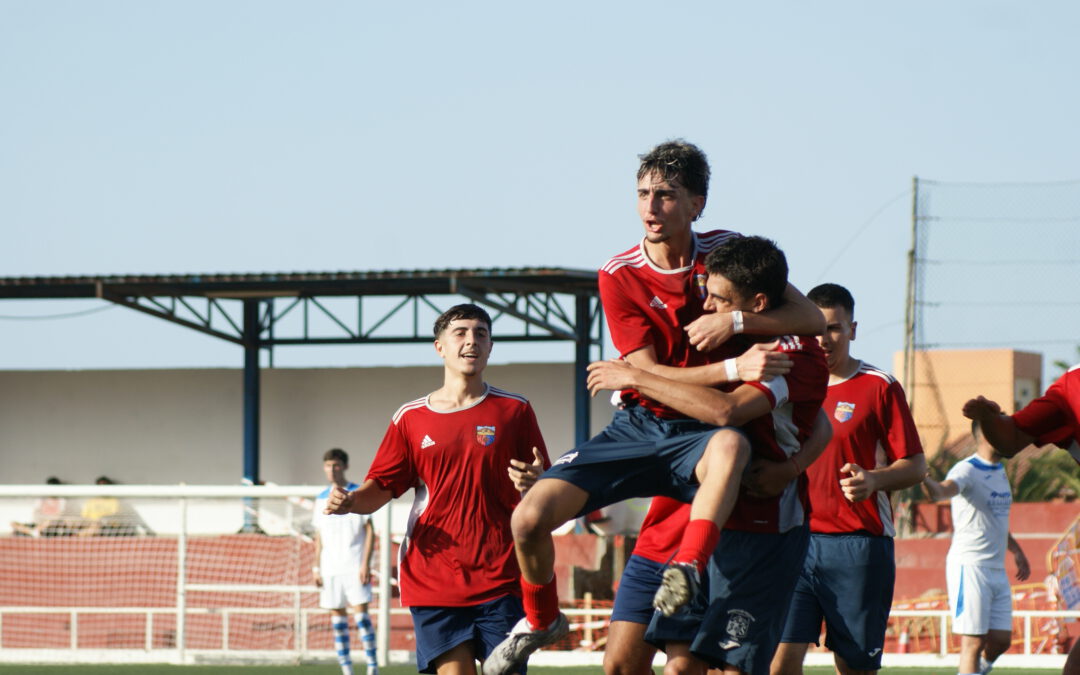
<point x="682" y="665"/>
<point x="728" y="448"/>
<point x="527" y="520"/>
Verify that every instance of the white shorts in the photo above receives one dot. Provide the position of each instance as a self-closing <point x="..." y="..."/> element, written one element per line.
<point x="343" y="590"/>
<point x="980" y="598"/>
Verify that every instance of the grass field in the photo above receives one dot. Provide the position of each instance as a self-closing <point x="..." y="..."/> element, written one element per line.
<point x="143" y="669"/>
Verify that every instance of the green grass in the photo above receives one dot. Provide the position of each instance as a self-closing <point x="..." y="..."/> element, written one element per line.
<point x="157" y="669"/>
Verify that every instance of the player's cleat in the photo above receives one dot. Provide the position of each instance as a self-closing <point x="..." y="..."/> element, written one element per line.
<point x="510" y="655"/>
<point x="678" y="586"/>
<point x="984" y="665"/>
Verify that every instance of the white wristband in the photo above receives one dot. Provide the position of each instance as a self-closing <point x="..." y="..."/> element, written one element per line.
<point x="316" y="570"/>
<point x="732" y="370"/>
<point x="736" y="322"/>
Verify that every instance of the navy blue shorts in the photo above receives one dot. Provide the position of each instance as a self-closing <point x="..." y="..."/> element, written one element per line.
<point x="440" y="629"/>
<point x="750" y="580"/>
<point x="637" y="455"/>
<point x="847" y="582"/>
<point x="637" y="587"/>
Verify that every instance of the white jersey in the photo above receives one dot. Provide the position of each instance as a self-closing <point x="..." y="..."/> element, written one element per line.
<point x="342" y="537"/>
<point x="980" y="513"/>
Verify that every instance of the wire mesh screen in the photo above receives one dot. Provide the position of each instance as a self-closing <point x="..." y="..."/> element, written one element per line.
<point x="996" y="267"/>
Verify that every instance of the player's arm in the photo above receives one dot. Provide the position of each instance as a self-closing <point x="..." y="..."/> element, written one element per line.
<point x="796" y="315"/>
<point x="706" y="404"/>
<point x="939" y="492"/>
<point x="1000" y="429"/>
<point x="768" y="477"/>
<point x="365" y="557"/>
<point x="368" y="498"/>
<point x="860" y="483"/>
<point x="1023" y="568"/>
<point x="316" y="573"/>
<point x="759" y="363"/>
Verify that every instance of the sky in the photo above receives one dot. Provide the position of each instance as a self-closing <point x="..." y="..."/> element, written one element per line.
<point x="183" y="137"/>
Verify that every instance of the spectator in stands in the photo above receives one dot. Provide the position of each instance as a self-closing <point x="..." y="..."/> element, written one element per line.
<point x="109" y="516"/>
<point x="342" y="571"/>
<point x="51" y="517"/>
<point x="979" y="591"/>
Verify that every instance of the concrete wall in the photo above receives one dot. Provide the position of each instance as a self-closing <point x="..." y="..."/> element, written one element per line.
<point x="174" y="426"/>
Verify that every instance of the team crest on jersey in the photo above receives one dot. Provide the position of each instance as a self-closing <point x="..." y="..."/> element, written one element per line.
<point x="485" y="435"/>
<point x="843" y="411"/>
<point x="738" y="625"/>
<point x="699" y="281"/>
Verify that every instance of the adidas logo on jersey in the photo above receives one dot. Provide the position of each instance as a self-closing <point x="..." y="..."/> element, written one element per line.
<point x="427" y="442"/>
<point x="657" y="303"/>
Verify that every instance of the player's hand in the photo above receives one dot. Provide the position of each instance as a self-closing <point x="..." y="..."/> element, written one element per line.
<point x="317" y="577"/>
<point x="709" y="331"/>
<point x="981" y="408"/>
<point x="768" y="478"/>
<point x="858" y="485"/>
<point x="612" y="375"/>
<point x="762" y="362"/>
<point x="338" y="502"/>
<point x="1023" y="568"/>
<point x="365" y="574"/>
<point x="524" y="475"/>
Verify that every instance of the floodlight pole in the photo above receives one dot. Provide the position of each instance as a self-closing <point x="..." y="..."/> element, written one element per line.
<point x="909" y="301"/>
<point x="582" y="325"/>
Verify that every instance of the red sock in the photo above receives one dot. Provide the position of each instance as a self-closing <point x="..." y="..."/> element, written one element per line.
<point x="698" y="541"/>
<point x="541" y="603"/>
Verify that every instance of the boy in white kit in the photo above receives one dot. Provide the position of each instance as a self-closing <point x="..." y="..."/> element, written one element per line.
<point x="979" y="591"/>
<point x="343" y="547"/>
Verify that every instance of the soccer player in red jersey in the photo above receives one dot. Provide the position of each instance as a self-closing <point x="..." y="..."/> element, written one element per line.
<point x="756" y="564"/>
<point x="1054" y="418"/>
<point x="458" y="573"/>
<point x="653" y="296"/>
<point x="848" y="577"/>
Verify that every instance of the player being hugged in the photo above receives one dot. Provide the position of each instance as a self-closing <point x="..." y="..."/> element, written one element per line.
<point x="458" y="573"/>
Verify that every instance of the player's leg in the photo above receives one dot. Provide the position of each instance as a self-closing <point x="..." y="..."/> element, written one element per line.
<point x="362" y="619"/>
<point x="803" y="624"/>
<point x="680" y="661"/>
<point x="458" y="660"/>
<point x="626" y="652"/>
<point x="999" y="634"/>
<point x="856" y="574"/>
<point x="971" y="648"/>
<point x="339" y="624"/>
<point x="718" y="473"/>
<point x="788" y="659"/>
<point x="445" y="640"/>
<point x="1072" y="663"/>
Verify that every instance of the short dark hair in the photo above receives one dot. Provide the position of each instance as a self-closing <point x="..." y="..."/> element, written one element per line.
<point x="336" y="454"/>
<point x="52" y="480"/>
<point x="832" y="295"/>
<point x="104" y="480"/>
<point x="465" y="311"/>
<point x="752" y="265"/>
<point x="679" y="162"/>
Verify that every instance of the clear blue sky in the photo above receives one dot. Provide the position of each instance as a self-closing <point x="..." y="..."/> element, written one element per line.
<point x="161" y="137"/>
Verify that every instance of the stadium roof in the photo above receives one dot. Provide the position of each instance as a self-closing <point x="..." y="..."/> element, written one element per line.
<point x="288" y="284"/>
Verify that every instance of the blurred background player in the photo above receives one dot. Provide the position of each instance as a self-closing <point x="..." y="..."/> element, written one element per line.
<point x="51" y="517"/>
<point x="979" y="593"/>
<point x="343" y="548"/>
<point x="850" y="569"/>
<point x="1054" y="418"/>
<point x="458" y="574"/>
<point x="653" y="297"/>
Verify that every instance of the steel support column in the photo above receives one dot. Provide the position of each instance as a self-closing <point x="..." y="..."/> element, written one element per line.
<point x="251" y="409"/>
<point x="582" y="324"/>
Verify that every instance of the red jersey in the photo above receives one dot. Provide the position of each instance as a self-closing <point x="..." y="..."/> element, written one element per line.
<point x="458" y="550"/>
<point x="1054" y="417"/>
<point x="662" y="530"/>
<point x="646" y="305"/>
<point x="795" y="399"/>
<point x="872" y="427"/>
